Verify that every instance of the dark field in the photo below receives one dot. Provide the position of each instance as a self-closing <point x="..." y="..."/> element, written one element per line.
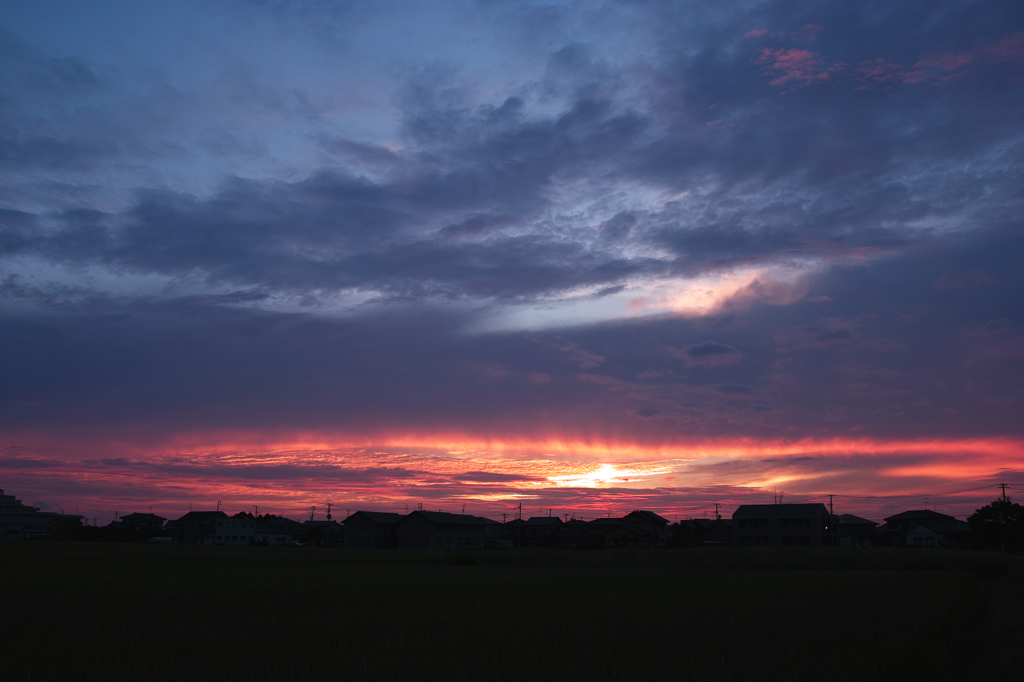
<point x="140" y="612"/>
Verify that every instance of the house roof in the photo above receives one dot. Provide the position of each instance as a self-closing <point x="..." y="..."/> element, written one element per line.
<point x="378" y="517"/>
<point x="780" y="510"/>
<point x="851" y="520"/>
<point x="941" y="526"/>
<point x="332" y="524"/>
<point x="143" y="518"/>
<point x="543" y="521"/>
<point x="919" y="515"/>
<point x="647" y="516"/>
<point x="201" y="516"/>
<point x="446" y="519"/>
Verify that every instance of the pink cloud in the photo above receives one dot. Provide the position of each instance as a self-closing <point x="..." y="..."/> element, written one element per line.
<point x="802" y="66"/>
<point x="755" y="33"/>
<point x="1010" y="48"/>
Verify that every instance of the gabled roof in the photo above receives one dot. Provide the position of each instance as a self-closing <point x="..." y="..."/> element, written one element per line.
<point x="446" y="519"/>
<point x="919" y="515"/>
<point x="201" y="516"/>
<point x="781" y="510"/>
<point x="323" y="523"/>
<point x="544" y="521"/>
<point x="142" y="518"/>
<point x="378" y="517"/>
<point x="647" y="516"/>
<point x="851" y="520"/>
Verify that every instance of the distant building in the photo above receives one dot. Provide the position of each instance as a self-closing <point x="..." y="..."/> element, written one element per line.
<point x="609" y="532"/>
<point x="322" y="533"/>
<point x="143" y="522"/>
<point x="197" y="527"/>
<point x="921" y="528"/>
<point x="781" y="525"/>
<point x="701" y="533"/>
<point x="540" y="531"/>
<point x="240" y="529"/>
<point x="20" y="521"/>
<point x="276" y="531"/>
<point x="441" y="530"/>
<point x="655" y="526"/>
<point x="854" y="531"/>
<point x="371" y="530"/>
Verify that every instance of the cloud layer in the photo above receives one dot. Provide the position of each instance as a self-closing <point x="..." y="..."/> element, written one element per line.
<point x="643" y="224"/>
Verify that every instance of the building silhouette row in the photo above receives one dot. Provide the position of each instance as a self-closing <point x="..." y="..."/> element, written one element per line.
<point x="751" y="525"/>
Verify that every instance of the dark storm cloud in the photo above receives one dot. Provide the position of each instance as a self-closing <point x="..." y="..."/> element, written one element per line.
<point x="879" y="140"/>
<point x="824" y="168"/>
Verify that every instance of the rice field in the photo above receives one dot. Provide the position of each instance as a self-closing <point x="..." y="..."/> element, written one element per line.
<point x="143" y="612"/>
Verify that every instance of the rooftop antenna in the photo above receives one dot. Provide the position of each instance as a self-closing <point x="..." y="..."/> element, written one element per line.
<point x="463" y="507"/>
<point x="218" y="505"/>
<point x="312" y="510"/>
<point x="328" y="511"/>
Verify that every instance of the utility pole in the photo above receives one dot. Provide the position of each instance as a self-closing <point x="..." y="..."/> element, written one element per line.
<point x="503" y="516"/>
<point x="520" y="511"/>
<point x="1003" y="486"/>
<point x="718" y="522"/>
<point x="218" y="505"/>
<point x="328" y="511"/>
<point x="831" y="521"/>
<point x="312" y="511"/>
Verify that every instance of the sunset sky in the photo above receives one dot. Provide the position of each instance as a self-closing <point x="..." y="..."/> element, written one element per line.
<point x="585" y="257"/>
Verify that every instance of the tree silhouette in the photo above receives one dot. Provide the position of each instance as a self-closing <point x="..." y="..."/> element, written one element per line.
<point x="998" y="525"/>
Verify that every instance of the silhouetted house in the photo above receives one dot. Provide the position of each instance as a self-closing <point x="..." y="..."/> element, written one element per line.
<point x="276" y="531"/>
<point x="932" y="529"/>
<point x="240" y="529"/>
<point x="652" y="524"/>
<point x="511" y="533"/>
<point x="371" y="530"/>
<point x="143" y="522"/>
<point x="441" y="530"/>
<point x="608" y="532"/>
<point x="540" y="531"/>
<point x="197" y="527"/>
<point x="781" y="524"/>
<point x="854" y="531"/>
<point x="20" y="521"/>
<point x="322" y="533"/>
<point x="572" y="533"/>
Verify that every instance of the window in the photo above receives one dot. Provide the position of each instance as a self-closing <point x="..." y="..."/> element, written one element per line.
<point x="785" y="523"/>
<point x="743" y="523"/>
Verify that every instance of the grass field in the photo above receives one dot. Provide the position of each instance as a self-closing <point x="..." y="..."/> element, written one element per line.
<point x="142" y="612"/>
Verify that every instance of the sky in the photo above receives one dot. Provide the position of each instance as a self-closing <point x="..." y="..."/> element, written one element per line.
<point x="583" y="257"/>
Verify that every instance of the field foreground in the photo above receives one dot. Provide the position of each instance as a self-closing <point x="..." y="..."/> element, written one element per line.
<point x="140" y="612"/>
